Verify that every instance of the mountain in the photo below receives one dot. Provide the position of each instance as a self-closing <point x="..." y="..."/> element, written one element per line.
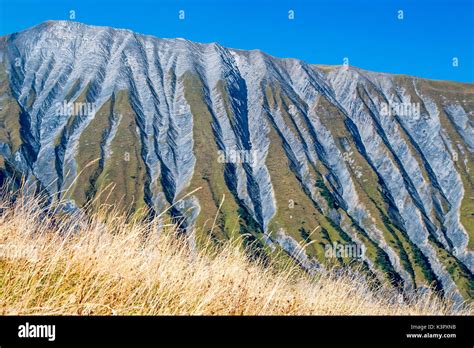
<point x="332" y="164"/>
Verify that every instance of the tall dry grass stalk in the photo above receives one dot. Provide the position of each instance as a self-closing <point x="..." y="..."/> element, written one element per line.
<point x="106" y="264"/>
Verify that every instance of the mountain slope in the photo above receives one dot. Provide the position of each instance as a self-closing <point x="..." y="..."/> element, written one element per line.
<point x="241" y="142"/>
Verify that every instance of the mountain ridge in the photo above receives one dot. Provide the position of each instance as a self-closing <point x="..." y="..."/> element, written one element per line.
<point x="321" y="66"/>
<point x="166" y="109"/>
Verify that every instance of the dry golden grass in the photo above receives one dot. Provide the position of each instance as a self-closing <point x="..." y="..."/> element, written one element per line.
<point x="51" y="264"/>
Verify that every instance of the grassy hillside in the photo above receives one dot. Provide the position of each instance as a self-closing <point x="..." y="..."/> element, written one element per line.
<point x="107" y="264"/>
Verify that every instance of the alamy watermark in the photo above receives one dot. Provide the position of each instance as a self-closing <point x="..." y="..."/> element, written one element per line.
<point x="13" y="251"/>
<point x="400" y="109"/>
<point x="75" y="109"/>
<point x="238" y="157"/>
<point x="351" y="250"/>
<point x="28" y="330"/>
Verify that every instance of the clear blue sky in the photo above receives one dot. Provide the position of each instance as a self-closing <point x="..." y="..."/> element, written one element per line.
<point x="323" y="31"/>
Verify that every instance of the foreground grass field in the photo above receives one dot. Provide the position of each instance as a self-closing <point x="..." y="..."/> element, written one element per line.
<point x="111" y="266"/>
